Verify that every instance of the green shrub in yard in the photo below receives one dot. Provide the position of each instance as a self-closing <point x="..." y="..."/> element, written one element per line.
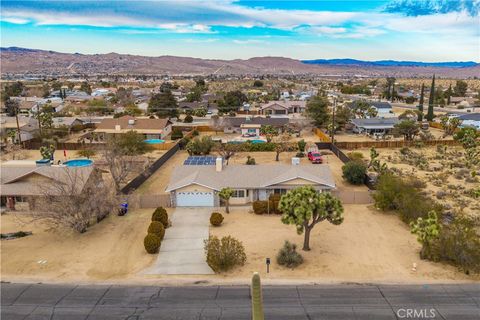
<point x="354" y="172"/>
<point x="188" y="119"/>
<point x="161" y="215"/>
<point x="260" y="207"/>
<point x="152" y="243"/>
<point x="288" y="255"/>
<point x="176" y="134"/>
<point x="273" y="201"/>
<point x="395" y="193"/>
<point x="157" y="228"/>
<point x="355" y="156"/>
<point x="216" y="219"/>
<point x="459" y="244"/>
<point x="224" y="254"/>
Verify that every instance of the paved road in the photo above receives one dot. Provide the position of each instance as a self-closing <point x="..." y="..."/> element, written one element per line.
<point x="182" y="248"/>
<point x="40" y="301"/>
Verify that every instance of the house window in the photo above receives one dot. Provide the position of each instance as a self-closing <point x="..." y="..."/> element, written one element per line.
<point x="238" y="194"/>
<point x="279" y="191"/>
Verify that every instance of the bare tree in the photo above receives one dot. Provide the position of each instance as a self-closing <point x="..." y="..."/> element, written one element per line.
<point x="283" y="144"/>
<point x="218" y="123"/>
<point x="119" y="164"/>
<point x="74" y="198"/>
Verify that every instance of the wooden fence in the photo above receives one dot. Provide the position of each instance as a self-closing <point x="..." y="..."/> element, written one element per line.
<point x="35" y="145"/>
<point x="142" y="177"/>
<point x="354" y="197"/>
<point x="146" y="201"/>
<point x="392" y="144"/>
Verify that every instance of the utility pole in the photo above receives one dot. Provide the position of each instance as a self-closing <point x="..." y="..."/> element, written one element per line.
<point x="17" y="109"/>
<point x="333" y="118"/>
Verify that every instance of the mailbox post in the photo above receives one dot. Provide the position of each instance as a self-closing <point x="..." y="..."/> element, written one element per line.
<point x="267" y="261"/>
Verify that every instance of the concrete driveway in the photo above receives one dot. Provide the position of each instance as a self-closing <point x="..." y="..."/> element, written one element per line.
<point x="182" y="248"/>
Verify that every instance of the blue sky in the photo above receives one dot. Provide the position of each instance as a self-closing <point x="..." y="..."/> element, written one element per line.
<point x="427" y="30"/>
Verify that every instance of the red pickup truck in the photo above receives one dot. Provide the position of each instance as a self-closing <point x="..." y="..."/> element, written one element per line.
<point x="315" y="157"/>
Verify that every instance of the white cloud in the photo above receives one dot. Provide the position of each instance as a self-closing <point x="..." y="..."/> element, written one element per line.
<point x="249" y="41"/>
<point x="15" y="20"/>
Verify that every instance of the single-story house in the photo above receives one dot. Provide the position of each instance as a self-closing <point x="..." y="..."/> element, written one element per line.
<point x="465" y="102"/>
<point x="68" y="122"/>
<point x="250" y="130"/>
<point x="283" y="107"/>
<point x="470" y="120"/>
<point x="199" y="185"/>
<point x="384" y="109"/>
<point x="234" y="124"/>
<point x="185" y="105"/>
<point x="24" y="181"/>
<point x="150" y="128"/>
<point x="374" y="125"/>
<point x="28" y="127"/>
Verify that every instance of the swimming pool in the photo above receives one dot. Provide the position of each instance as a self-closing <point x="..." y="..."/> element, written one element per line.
<point x="78" y="163"/>
<point x="258" y="141"/>
<point x="154" y="141"/>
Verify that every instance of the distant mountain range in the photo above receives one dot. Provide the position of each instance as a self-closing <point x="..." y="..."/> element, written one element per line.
<point x="20" y="61"/>
<point x="392" y="63"/>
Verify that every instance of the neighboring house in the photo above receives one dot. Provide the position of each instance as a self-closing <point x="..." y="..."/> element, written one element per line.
<point x="470" y="120"/>
<point x="250" y="130"/>
<point x="374" y="125"/>
<point x="384" y="109"/>
<point x="184" y="105"/>
<point x="234" y="124"/>
<point x="28" y="127"/>
<point x="101" y="92"/>
<point x="199" y="185"/>
<point x="283" y="107"/>
<point x="24" y="181"/>
<point x="68" y="122"/>
<point x="150" y="128"/>
<point x="465" y="102"/>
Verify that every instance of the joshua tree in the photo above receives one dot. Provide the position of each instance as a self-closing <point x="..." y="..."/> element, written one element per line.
<point x="305" y="207"/>
<point x="225" y="194"/>
<point x="427" y="230"/>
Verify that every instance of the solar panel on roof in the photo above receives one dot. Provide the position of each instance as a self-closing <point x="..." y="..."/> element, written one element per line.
<point x="200" y="161"/>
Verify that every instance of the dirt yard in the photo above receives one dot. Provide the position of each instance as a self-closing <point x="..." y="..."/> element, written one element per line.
<point x="447" y="180"/>
<point x="108" y="251"/>
<point x="368" y="247"/>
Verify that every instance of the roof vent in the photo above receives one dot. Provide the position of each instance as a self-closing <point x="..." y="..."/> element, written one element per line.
<point x="131" y="122"/>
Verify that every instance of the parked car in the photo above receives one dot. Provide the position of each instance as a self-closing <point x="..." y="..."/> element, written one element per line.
<point x="315" y="157"/>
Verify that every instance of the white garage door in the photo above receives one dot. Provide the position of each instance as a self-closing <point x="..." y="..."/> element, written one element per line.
<point x="195" y="199"/>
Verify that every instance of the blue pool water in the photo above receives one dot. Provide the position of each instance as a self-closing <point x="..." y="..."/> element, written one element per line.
<point x="154" y="141"/>
<point x="258" y="141"/>
<point x="78" y="163"/>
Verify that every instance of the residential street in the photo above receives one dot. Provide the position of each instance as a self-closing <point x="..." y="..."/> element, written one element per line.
<point x="349" y="301"/>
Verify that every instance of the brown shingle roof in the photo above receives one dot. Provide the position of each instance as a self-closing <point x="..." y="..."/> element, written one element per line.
<point x="139" y="124"/>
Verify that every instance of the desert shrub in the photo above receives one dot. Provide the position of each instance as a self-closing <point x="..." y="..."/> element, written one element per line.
<point x="161" y="215"/>
<point x="288" y="256"/>
<point x="260" y="207"/>
<point x="200" y="146"/>
<point x="459" y="244"/>
<point x="216" y="219"/>
<point x="152" y="243"/>
<point x="395" y="193"/>
<point x="157" y="228"/>
<point x="354" y="172"/>
<point x="273" y="201"/>
<point x="177" y="134"/>
<point x="86" y="153"/>
<point x="195" y="133"/>
<point x="300" y="154"/>
<point x="224" y="254"/>
<point x="188" y="119"/>
<point x="258" y="147"/>
<point x="416" y="183"/>
<point x="250" y="161"/>
<point x="355" y="156"/>
<point x="301" y="146"/>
